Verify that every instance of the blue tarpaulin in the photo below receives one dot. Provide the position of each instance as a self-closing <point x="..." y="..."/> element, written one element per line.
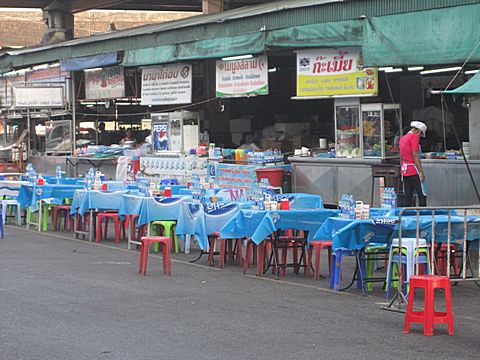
<point x="89" y="62"/>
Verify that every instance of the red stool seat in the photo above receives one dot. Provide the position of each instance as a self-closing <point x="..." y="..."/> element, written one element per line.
<point x="145" y="248"/>
<point x="428" y="317"/>
<point x="118" y="228"/>
<point x="68" y="219"/>
<point x="318" y="246"/>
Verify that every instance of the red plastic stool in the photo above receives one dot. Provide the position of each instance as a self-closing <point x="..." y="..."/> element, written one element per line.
<point x="116" y="219"/>
<point x="318" y="246"/>
<point x="145" y="248"/>
<point x="429" y="316"/>
<point x="68" y="219"/>
<point x="441" y="259"/>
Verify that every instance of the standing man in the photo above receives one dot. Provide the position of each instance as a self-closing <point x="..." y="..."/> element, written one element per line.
<point x="412" y="171"/>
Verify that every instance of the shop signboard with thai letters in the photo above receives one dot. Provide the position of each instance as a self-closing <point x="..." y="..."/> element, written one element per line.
<point x="7" y="82"/>
<point x="51" y="76"/>
<point x="167" y="84"/>
<point x="334" y="72"/>
<point x="106" y="83"/>
<point x="38" y="97"/>
<point x="246" y="77"/>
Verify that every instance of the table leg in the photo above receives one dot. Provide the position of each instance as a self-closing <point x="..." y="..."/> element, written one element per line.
<point x="90" y="227"/>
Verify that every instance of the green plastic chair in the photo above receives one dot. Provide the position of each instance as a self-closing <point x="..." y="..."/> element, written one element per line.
<point x="370" y="257"/>
<point x="169" y="230"/>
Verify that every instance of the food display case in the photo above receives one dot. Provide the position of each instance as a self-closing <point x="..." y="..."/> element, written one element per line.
<point x="347" y="128"/>
<point x="367" y="130"/>
<point x="381" y="130"/>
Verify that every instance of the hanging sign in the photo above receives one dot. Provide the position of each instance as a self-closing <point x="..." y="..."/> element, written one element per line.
<point x="338" y="71"/>
<point x="7" y="83"/>
<point x="167" y="84"/>
<point x="245" y="77"/>
<point x="106" y="83"/>
<point x="38" y="97"/>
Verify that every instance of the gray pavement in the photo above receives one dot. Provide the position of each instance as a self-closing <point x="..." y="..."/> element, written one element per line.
<point x="66" y="299"/>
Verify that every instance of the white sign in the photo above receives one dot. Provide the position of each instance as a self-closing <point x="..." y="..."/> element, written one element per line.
<point x="38" y="97"/>
<point x="165" y="85"/>
<point x="107" y="83"/>
<point x="242" y="77"/>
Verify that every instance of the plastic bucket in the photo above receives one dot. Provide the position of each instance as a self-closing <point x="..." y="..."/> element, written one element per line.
<point x="274" y="175"/>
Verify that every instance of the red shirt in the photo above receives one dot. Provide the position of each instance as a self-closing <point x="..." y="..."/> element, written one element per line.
<point x="409" y="144"/>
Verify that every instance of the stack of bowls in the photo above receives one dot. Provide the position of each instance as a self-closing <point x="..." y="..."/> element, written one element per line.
<point x="466" y="149"/>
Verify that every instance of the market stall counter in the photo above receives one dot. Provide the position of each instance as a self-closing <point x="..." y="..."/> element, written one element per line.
<point x="447" y="180"/>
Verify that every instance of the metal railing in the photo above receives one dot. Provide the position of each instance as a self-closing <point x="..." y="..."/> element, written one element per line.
<point x="458" y="212"/>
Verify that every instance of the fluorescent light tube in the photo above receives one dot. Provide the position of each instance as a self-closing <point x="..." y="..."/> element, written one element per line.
<point x="472" y="71"/>
<point x="240" y="57"/>
<point x="415" y="68"/>
<point x="434" y="71"/>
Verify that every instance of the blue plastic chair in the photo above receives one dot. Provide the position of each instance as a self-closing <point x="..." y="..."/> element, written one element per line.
<point x="337" y="257"/>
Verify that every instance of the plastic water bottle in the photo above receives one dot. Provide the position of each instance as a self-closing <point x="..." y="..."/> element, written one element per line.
<point x="394" y="199"/>
<point x="58" y="173"/>
<point x="351" y="207"/>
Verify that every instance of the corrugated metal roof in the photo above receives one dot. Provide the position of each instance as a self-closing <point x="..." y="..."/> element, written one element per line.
<point x="240" y="21"/>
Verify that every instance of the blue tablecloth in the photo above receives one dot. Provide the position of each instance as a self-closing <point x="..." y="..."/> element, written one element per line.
<point x="63" y="181"/>
<point x="114" y="185"/>
<point x="202" y="220"/>
<point x="30" y="194"/>
<point x="301" y="201"/>
<point x="11" y="187"/>
<point x="85" y="200"/>
<point x="258" y="225"/>
<point x="176" y="189"/>
<point x="160" y="208"/>
<point x="356" y="234"/>
<point x="131" y="204"/>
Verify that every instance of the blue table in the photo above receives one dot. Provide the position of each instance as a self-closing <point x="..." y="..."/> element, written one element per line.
<point x="11" y="188"/>
<point x="30" y="194"/>
<point x="203" y="220"/>
<point x="351" y="234"/>
<point x="114" y="185"/>
<point x="131" y="204"/>
<point x="258" y="224"/>
<point x="85" y="200"/>
<point x="160" y="208"/>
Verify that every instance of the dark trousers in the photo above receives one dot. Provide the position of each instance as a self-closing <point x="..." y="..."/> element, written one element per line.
<point x="413" y="184"/>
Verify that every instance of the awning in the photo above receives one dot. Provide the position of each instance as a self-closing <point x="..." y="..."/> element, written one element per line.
<point x="222" y="47"/>
<point x="441" y="36"/>
<point x="472" y="86"/>
<point x="331" y="34"/>
<point x="150" y="56"/>
<point x="89" y="62"/>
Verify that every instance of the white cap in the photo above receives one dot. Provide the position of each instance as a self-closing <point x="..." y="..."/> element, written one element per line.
<point x="420" y="126"/>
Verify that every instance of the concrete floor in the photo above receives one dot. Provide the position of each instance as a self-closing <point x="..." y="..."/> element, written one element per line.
<point x="70" y="299"/>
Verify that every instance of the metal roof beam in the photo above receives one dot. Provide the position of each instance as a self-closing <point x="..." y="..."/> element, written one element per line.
<point x="76" y="6"/>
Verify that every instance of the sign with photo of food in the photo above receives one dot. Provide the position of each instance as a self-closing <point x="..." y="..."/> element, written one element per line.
<point x="335" y="71"/>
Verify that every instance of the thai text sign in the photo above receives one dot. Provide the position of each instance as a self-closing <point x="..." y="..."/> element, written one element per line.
<point x="242" y="77"/>
<point x="168" y="84"/>
<point x="38" y="97"/>
<point x="230" y="176"/>
<point x="107" y="83"/>
<point x="330" y="72"/>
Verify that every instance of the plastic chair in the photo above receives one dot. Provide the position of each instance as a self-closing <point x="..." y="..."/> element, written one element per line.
<point x="372" y="254"/>
<point x="65" y="209"/>
<point x="318" y="246"/>
<point x="145" y="248"/>
<point x="429" y="317"/>
<point x="119" y="226"/>
<point x="423" y="259"/>
<point x="335" y="276"/>
<point x="168" y="230"/>
<point x="10" y="204"/>
<point x="441" y="252"/>
<point x="45" y="213"/>
<point x="409" y="244"/>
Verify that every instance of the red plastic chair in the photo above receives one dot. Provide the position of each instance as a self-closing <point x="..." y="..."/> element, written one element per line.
<point x="119" y="226"/>
<point x="441" y="259"/>
<point x="318" y="246"/>
<point x="145" y="249"/>
<point x="428" y="317"/>
<point x="65" y="209"/>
